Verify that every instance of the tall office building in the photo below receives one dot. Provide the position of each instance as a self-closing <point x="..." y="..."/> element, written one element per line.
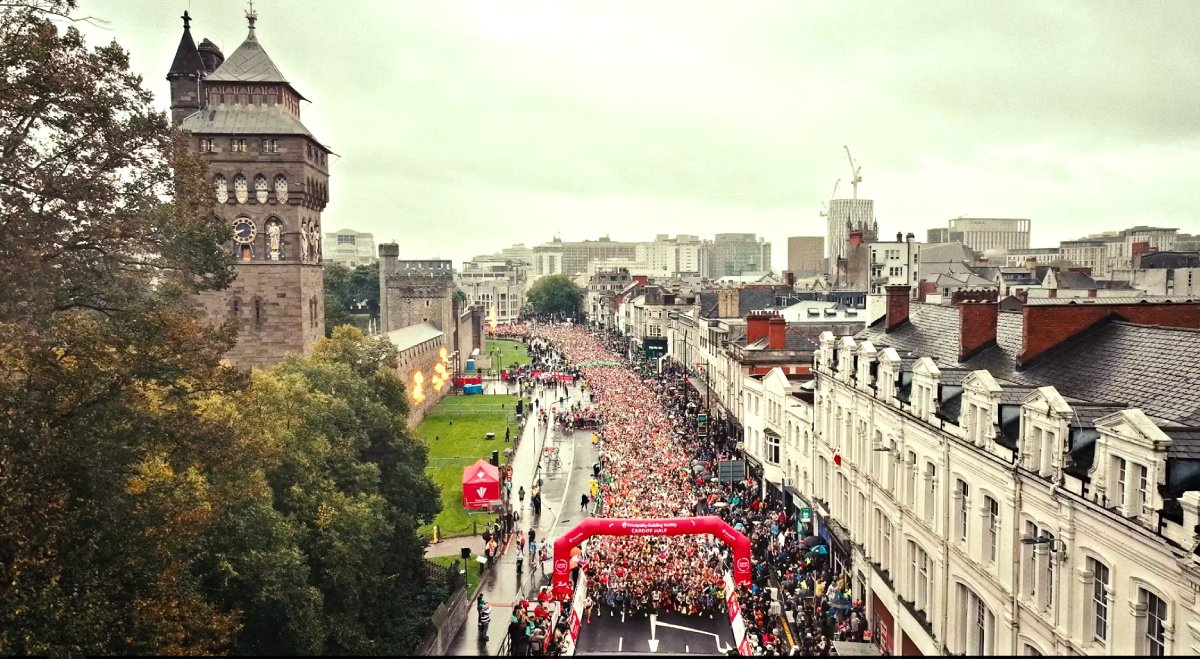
<point x="806" y="255"/>
<point x="846" y="215"/>
<point x="349" y="248"/>
<point x="571" y="258"/>
<point x="732" y="254"/>
<point x="987" y="233"/>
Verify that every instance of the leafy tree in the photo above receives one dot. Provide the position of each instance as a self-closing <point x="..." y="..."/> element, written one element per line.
<point x="460" y="296"/>
<point x="337" y="297"/>
<point x="110" y="482"/>
<point x="555" y="295"/>
<point x="153" y="500"/>
<point x="364" y="289"/>
<point x="349" y="292"/>
<point x="349" y="491"/>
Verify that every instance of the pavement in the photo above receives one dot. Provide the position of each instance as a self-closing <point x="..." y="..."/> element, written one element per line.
<point x="561" y="491"/>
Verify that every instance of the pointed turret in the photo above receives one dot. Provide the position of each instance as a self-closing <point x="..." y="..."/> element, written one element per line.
<point x="250" y="63"/>
<point x="186" y="71"/>
<point x="211" y="55"/>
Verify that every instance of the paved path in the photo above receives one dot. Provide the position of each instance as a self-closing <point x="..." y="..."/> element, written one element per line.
<point x="561" y="491"/>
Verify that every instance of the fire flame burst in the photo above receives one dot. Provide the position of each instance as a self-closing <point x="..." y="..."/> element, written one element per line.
<point x="418" y="388"/>
<point x="440" y="375"/>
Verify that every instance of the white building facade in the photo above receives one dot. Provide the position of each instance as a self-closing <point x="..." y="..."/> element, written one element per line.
<point x="989" y="519"/>
<point x="349" y="248"/>
<point x="497" y="286"/>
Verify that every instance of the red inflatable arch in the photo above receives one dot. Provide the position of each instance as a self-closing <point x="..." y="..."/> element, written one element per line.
<point x="674" y="526"/>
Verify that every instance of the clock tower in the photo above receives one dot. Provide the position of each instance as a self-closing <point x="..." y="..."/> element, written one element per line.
<point x="269" y="176"/>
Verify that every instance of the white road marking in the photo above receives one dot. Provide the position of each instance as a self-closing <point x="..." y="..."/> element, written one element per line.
<point x="620" y="643"/>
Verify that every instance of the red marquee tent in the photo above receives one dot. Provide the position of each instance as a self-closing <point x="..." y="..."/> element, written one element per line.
<point x="481" y="484"/>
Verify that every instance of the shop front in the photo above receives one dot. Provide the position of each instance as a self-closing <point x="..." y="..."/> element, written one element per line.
<point x="834" y="535"/>
<point x="754" y="467"/>
<point x="882" y="624"/>
<point x="799" y="510"/>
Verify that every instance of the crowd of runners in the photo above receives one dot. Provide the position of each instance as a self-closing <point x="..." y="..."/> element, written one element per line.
<point x="654" y="464"/>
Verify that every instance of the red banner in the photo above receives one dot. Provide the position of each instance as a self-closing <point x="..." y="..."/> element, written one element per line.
<point x="591" y="526"/>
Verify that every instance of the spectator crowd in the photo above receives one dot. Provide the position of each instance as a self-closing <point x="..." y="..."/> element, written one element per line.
<point x="655" y="464"/>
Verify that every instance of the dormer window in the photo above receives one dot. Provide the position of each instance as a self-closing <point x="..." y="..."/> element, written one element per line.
<point x="1131" y="482"/>
<point x="1040" y="444"/>
<point x="979" y="424"/>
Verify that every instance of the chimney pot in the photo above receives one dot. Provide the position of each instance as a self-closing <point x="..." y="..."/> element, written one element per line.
<point x="899" y="237"/>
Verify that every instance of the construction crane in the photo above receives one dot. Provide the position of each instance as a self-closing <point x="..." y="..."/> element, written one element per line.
<point x="855" y="171"/>
<point x="832" y="195"/>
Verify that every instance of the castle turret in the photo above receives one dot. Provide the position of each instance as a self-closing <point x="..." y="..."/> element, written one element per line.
<point x="186" y="71"/>
<point x="389" y="253"/>
<point x="211" y="55"/>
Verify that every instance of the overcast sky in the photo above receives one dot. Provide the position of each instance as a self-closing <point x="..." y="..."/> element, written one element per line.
<point x="465" y="127"/>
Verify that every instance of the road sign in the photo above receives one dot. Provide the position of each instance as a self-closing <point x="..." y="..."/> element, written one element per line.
<point x="731" y="471"/>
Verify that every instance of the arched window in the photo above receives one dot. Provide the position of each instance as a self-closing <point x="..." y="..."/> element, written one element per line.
<point x="281" y="189"/>
<point x="221" y="188"/>
<point x="240" y="189"/>
<point x="261" y="193"/>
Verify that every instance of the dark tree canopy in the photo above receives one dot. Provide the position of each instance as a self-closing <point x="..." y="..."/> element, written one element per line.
<point x="152" y="499"/>
<point x="350" y="292"/>
<point x="555" y="295"/>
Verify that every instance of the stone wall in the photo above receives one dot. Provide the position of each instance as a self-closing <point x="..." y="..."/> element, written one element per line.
<point x="415" y="298"/>
<point x="280" y="310"/>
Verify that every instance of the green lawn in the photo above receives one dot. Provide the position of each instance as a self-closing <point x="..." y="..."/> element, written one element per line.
<point x="454" y="431"/>
<point x="511" y="352"/>
<point x="472" y="567"/>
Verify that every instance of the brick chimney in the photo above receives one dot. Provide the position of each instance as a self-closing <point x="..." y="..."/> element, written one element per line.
<point x="926" y="288"/>
<point x="897" y="306"/>
<point x="1137" y="250"/>
<point x="756" y="325"/>
<point x="976" y="327"/>
<point x="777" y="333"/>
<point x="1048" y="325"/>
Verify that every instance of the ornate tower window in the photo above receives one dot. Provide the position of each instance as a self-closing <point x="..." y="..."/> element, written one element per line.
<point x="240" y="190"/>
<point x="281" y="189"/>
<point x="260" y="189"/>
<point x="221" y="188"/>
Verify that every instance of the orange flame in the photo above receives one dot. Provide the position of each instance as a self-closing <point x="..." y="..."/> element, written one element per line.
<point x="418" y="388"/>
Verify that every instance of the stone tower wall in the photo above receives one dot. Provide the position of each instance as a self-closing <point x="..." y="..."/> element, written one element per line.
<point x="414" y="298"/>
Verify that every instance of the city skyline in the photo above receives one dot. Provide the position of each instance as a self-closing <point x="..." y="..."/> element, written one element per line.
<point x="462" y="129"/>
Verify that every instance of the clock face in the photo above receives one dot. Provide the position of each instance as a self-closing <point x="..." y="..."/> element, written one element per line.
<point x="281" y="189"/>
<point x="260" y="189"/>
<point x="221" y="189"/>
<point x="239" y="189"/>
<point x="243" y="231"/>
